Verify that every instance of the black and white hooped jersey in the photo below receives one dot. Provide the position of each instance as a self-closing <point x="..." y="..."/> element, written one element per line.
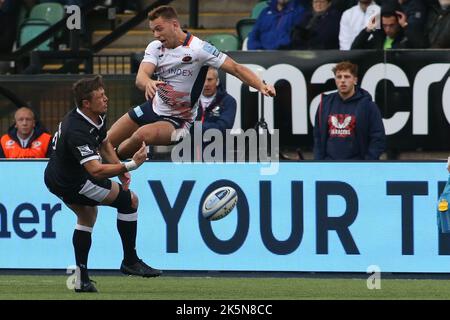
<point x="179" y="68"/>
<point x="74" y="143"/>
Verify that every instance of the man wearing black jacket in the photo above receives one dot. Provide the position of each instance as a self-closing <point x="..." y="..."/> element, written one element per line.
<point x="438" y="25"/>
<point x="394" y="34"/>
<point x="348" y="124"/>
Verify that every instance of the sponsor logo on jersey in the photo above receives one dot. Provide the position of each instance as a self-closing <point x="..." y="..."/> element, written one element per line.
<point x="211" y="49"/>
<point x="180" y="72"/>
<point x="85" y="150"/>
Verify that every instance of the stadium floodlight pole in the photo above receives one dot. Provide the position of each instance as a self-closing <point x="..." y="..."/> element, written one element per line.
<point x="193" y="13"/>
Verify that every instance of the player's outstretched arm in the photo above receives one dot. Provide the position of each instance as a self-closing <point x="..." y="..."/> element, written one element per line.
<point x="107" y="152"/>
<point x="101" y="171"/>
<point x="247" y="76"/>
<point x="144" y="81"/>
<point x="109" y="156"/>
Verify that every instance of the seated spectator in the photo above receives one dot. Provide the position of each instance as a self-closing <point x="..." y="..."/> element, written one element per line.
<point x="26" y="138"/>
<point x="354" y="20"/>
<point x="217" y="109"/>
<point x="438" y="25"/>
<point x="319" y="29"/>
<point x="272" y="30"/>
<point x="394" y="34"/>
<point x="415" y="10"/>
<point x="348" y="124"/>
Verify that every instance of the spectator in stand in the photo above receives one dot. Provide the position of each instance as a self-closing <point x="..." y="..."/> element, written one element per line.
<point x="216" y="109"/>
<point x="272" y="30"/>
<point x="319" y="29"/>
<point x="26" y="138"/>
<point x="348" y="124"/>
<point x="394" y="34"/>
<point x="354" y="20"/>
<point x="438" y="25"/>
<point x="415" y="10"/>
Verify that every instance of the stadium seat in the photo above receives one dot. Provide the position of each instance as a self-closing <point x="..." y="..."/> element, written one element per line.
<point x="224" y="41"/>
<point x="30" y="30"/>
<point x="244" y="27"/>
<point x="49" y="11"/>
<point x="42" y="16"/>
<point x="258" y="8"/>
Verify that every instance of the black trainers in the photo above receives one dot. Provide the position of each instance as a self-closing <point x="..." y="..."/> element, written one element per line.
<point x="87" y="286"/>
<point x="140" y="269"/>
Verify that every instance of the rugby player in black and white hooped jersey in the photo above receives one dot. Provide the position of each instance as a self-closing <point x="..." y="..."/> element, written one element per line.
<point x="180" y="61"/>
<point x="76" y="174"/>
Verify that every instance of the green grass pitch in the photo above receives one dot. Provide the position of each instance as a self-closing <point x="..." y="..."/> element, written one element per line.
<point x="220" y="288"/>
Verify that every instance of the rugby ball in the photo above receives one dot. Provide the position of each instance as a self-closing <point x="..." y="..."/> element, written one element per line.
<point x="219" y="203"/>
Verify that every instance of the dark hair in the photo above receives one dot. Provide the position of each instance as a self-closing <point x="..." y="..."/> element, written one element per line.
<point x="83" y="88"/>
<point x="388" y="8"/>
<point x="388" y="13"/>
<point x="166" y="12"/>
<point x="346" y="65"/>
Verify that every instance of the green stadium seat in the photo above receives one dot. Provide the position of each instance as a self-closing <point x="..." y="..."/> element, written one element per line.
<point x="48" y="11"/>
<point x="244" y="27"/>
<point x="258" y="8"/>
<point x="42" y="16"/>
<point x="30" y="30"/>
<point x="224" y="41"/>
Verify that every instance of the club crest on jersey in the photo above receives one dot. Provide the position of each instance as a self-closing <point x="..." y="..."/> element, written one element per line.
<point x="341" y="125"/>
<point x="9" y="143"/>
<point x="186" y="59"/>
<point x="85" y="150"/>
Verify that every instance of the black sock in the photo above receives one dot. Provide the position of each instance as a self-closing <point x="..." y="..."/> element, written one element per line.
<point x="128" y="231"/>
<point x="82" y="243"/>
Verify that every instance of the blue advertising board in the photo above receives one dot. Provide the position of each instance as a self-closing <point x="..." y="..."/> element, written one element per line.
<point x="305" y="216"/>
